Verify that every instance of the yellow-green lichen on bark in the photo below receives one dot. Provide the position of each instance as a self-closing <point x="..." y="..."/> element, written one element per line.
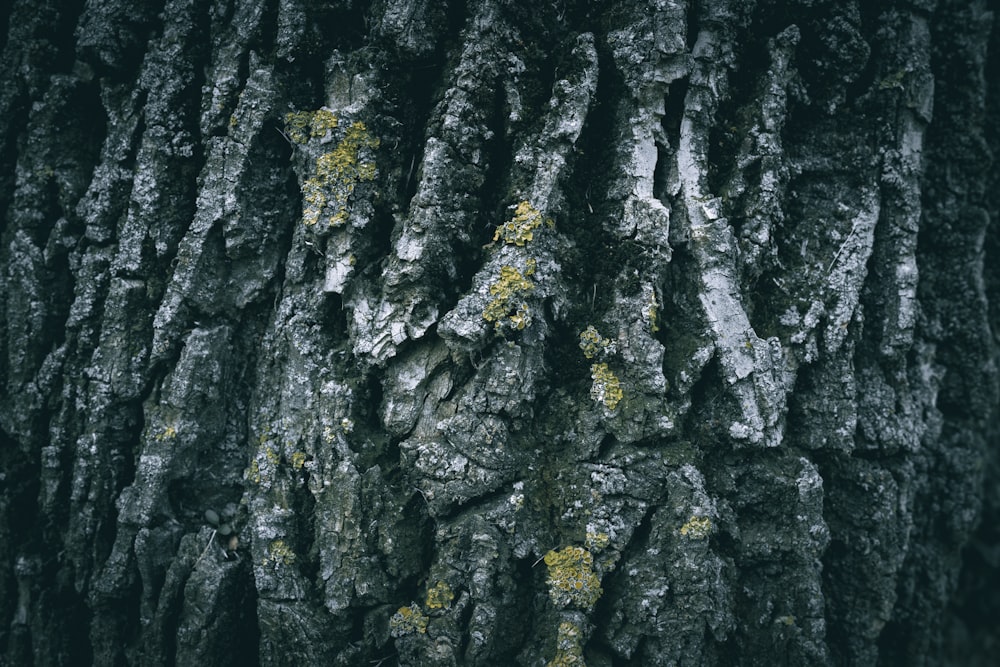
<point x="520" y="228"/>
<point x="569" y="647"/>
<point x="278" y="551"/>
<point x="593" y="344"/>
<point x="408" y="620"/>
<point x="571" y="579"/>
<point x="440" y="596"/>
<point x="696" y="528"/>
<point x="507" y="306"/>
<point x="337" y="173"/>
<point x="607" y="388"/>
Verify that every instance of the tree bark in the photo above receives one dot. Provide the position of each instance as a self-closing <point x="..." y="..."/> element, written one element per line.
<point x="492" y="332"/>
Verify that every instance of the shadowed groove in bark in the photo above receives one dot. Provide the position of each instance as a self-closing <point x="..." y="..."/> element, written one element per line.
<point x="776" y="222"/>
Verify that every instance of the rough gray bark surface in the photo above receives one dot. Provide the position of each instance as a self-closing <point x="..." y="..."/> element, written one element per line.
<point x="490" y="332"/>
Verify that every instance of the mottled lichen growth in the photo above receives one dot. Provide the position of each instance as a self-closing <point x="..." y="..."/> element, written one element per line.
<point x="279" y="552"/>
<point x="569" y="647"/>
<point x="520" y="229"/>
<point x="607" y="389"/>
<point x="253" y="472"/>
<point x="571" y="579"/>
<point x="298" y="460"/>
<point x="440" y="596"/>
<point x="168" y="433"/>
<point x="506" y="306"/>
<point x="597" y="541"/>
<point x="697" y="527"/>
<point x="408" y="620"/>
<point x="303" y="125"/>
<point x="593" y="343"/>
<point x="336" y="173"/>
<point x="651" y="314"/>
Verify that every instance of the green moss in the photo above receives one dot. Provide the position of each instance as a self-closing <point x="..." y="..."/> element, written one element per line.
<point x="408" y="620"/>
<point x="571" y="577"/>
<point x="607" y="389"/>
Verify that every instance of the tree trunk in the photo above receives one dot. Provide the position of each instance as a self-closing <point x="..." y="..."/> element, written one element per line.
<point x="495" y="332"/>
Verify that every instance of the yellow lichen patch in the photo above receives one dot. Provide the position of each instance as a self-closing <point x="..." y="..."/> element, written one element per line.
<point x="440" y="596"/>
<point x="297" y="126"/>
<point x="298" y="460"/>
<point x="253" y="474"/>
<point x="520" y="229"/>
<point x="168" y="433"/>
<point x="301" y="125"/>
<point x="607" y="389"/>
<point x="571" y="577"/>
<point x="697" y="527"/>
<point x="322" y="121"/>
<point x="569" y="646"/>
<point x="272" y="456"/>
<point x="408" y="620"/>
<point x="593" y="343"/>
<point x="507" y="289"/>
<point x="336" y="173"/>
<point x="597" y="541"/>
<point x="651" y="314"/>
<point x="279" y="552"/>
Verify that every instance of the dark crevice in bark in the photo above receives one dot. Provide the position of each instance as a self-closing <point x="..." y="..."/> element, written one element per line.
<point x="19" y="519"/>
<point x="733" y="121"/>
<point x="16" y="118"/>
<point x="694" y="13"/>
<point x="589" y="266"/>
<point x="673" y="114"/>
<point x="832" y="53"/>
<point x="267" y="35"/>
<point x="302" y="82"/>
<point x="869" y="15"/>
<point x="303" y="507"/>
<point x="60" y="34"/>
<point x="6" y="10"/>
<point x="971" y="640"/>
<point x="495" y="192"/>
<point x="113" y="37"/>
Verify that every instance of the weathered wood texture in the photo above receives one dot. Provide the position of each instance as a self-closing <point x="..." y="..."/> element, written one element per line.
<point x="495" y="332"/>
